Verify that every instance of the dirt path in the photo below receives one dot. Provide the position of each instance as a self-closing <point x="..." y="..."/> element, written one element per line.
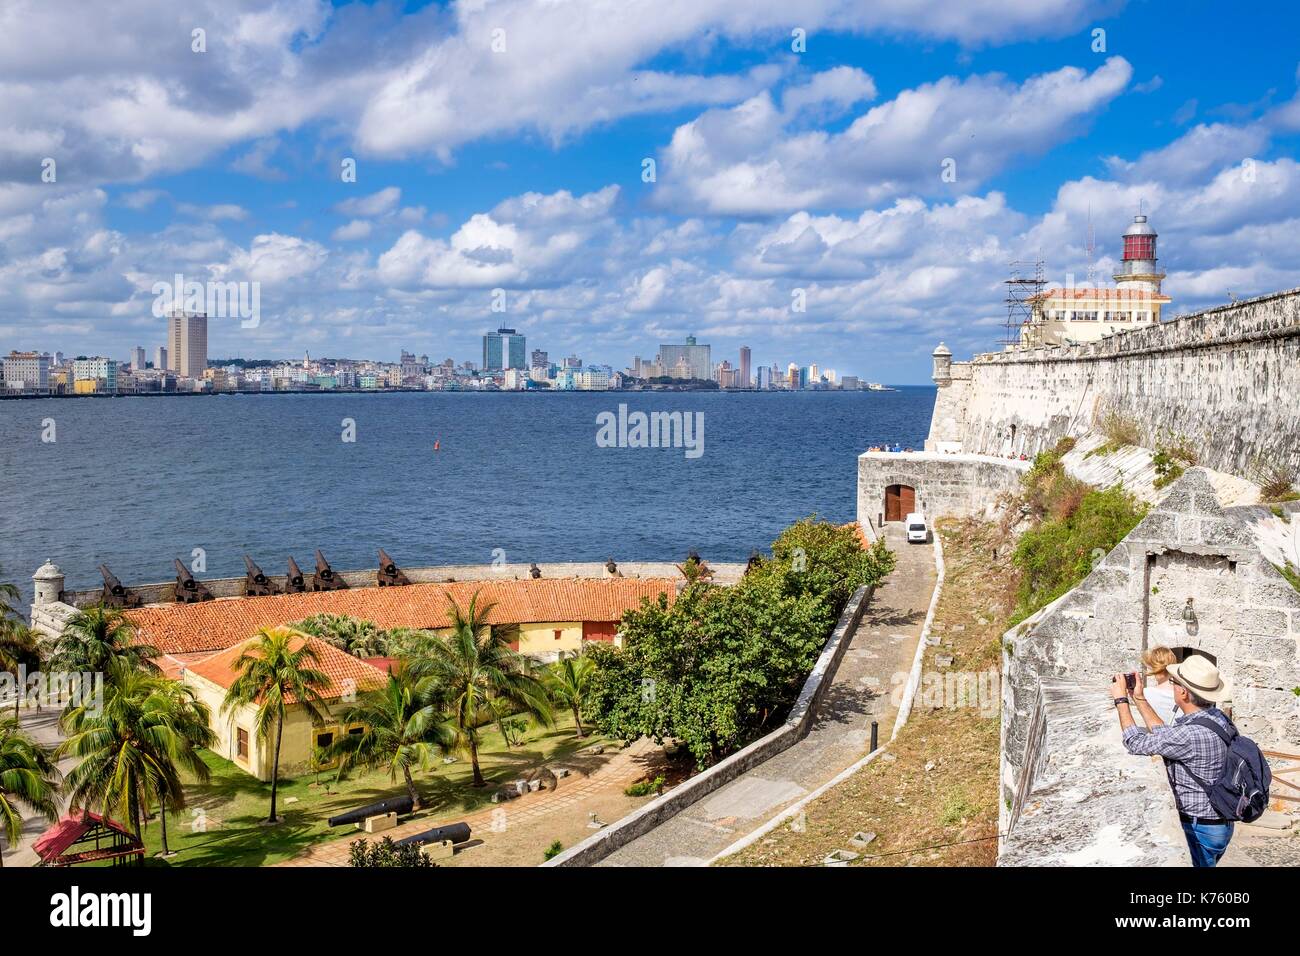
<point x="881" y="647"/>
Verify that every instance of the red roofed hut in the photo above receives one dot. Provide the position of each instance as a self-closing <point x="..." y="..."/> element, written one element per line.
<point x="87" y="838"/>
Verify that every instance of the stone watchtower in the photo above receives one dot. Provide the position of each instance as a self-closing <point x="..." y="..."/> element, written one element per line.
<point x="942" y="365"/>
<point x="48" y="581"/>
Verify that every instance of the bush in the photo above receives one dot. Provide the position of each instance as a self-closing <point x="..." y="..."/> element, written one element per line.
<point x="1061" y="551"/>
<point x="716" y="668"/>
<point x="643" y="788"/>
<point x="1167" y="469"/>
<point x="386" y="853"/>
<point x="1276" y="480"/>
<point x="1119" y="429"/>
<point x="554" y="850"/>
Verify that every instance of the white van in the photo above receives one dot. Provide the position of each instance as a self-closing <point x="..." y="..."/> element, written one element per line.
<point x="917" y="530"/>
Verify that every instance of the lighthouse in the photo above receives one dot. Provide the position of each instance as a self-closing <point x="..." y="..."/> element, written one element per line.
<point x="1138" y="271"/>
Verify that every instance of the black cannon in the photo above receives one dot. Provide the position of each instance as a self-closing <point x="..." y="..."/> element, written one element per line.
<point x="189" y="590"/>
<point x="455" y="832"/>
<point x="755" y="561"/>
<point x="390" y="575"/>
<point x="257" y="584"/>
<point x="611" y="568"/>
<point x="534" y="571"/>
<point x="398" y="805"/>
<point x="325" y="579"/>
<point x="294" y="583"/>
<point x="116" y="594"/>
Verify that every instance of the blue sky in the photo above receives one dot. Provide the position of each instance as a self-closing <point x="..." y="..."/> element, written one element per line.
<point x="778" y="172"/>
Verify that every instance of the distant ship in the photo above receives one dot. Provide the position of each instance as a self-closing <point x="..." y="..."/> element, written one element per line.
<point x="877" y="387"/>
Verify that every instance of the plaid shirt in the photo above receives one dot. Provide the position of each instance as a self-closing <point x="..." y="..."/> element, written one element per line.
<point x="1185" y="747"/>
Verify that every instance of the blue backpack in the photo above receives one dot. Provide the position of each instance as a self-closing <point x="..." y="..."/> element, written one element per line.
<point x="1241" y="792"/>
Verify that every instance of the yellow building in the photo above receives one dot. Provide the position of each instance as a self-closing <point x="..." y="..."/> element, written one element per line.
<point x="86" y="386"/>
<point x="237" y="738"/>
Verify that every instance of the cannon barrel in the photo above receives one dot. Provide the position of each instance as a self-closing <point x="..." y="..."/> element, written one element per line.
<point x="322" y="566"/>
<point x="455" y="832"/>
<point x="398" y="805"/>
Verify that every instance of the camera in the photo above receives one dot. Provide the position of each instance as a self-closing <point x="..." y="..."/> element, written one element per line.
<point x="1130" y="681"/>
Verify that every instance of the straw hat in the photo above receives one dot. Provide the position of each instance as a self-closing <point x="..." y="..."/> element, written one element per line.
<point x="1201" y="677"/>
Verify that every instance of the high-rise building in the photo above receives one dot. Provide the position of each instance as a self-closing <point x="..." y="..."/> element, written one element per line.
<point x="693" y="359"/>
<point x="160" y="358"/>
<point x="187" y="343"/>
<point x="743" y="379"/>
<point x="503" y="349"/>
<point x="764" y="378"/>
<point x="540" y="359"/>
<point x="96" y="369"/>
<point x="792" y="376"/>
<point x="573" y="362"/>
<point x="27" y="370"/>
<point x="137" y="359"/>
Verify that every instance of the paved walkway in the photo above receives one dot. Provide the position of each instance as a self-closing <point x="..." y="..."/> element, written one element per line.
<point x="882" y="646"/>
<point x="615" y="773"/>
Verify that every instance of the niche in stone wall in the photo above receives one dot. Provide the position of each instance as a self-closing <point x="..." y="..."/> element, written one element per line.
<point x="1209" y="624"/>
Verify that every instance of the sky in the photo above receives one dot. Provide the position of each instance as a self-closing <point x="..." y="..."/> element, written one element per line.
<point x="844" y="183"/>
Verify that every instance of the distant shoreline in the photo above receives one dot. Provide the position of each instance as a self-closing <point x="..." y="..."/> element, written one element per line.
<point x="459" y="391"/>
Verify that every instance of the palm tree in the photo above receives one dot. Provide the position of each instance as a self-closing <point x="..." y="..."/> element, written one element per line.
<point x="19" y="647"/>
<point x="28" y="778"/>
<point x="131" y="750"/>
<point x="475" y="666"/>
<point x="403" y="729"/>
<point x="357" y="637"/>
<point x="191" y="720"/>
<point x="277" y="667"/>
<point x="98" y="636"/>
<point x="568" y="681"/>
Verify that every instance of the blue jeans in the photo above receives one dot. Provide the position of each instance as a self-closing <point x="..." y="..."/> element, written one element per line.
<point x="1207" y="841"/>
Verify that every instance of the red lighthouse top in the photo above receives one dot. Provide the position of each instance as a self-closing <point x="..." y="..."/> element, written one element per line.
<point x="1139" y="240"/>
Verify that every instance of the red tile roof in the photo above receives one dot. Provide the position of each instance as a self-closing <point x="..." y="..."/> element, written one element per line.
<point x="346" y="673"/>
<point x="178" y="629"/>
<point x="55" y="841"/>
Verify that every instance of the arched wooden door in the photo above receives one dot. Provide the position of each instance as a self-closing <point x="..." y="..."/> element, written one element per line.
<point x="900" y="501"/>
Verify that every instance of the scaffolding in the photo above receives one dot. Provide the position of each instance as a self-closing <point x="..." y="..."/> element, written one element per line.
<point x="1025" y="282"/>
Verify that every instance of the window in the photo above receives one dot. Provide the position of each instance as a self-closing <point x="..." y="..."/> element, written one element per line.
<point x="241" y="743"/>
<point x="324" y="740"/>
<point x="356" y="731"/>
<point x="558" y="633"/>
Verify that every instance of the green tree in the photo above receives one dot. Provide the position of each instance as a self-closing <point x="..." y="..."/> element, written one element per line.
<point x="475" y="666"/>
<point x="191" y="722"/>
<point x="357" y="637"/>
<point x="403" y="729"/>
<point x="278" y="666"/>
<point x="569" y="680"/>
<point x="720" y="665"/>
<point x="29" y="779"/>
<point x="132" y="747"/>
<point x="386" y="853"/>
<point x="19" y="647"/>
<point x="98" y="636"/>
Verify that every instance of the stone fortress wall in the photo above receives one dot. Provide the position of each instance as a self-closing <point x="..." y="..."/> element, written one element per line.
<point x="1226" y="378"/>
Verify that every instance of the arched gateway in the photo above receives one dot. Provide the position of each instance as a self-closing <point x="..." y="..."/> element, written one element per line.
<point x="900" y="501"/>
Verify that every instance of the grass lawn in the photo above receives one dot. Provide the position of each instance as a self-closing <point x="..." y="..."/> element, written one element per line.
<point x="222" y="826"/>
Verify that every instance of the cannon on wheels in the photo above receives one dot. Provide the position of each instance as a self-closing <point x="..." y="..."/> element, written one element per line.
<point x="390" y="575"/>
<point x="325" y="579"/>
<point x="189" y="590"/>
<point x="293" y="582"/>
<point x="116" y="594"/>
<point x="257" y="584"/>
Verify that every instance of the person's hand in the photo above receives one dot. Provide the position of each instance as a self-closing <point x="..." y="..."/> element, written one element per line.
<point x="1139" y="685"/>
<point x="1119" y="687"/>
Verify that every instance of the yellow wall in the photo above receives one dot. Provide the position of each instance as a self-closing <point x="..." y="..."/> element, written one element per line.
<point x="85" y="386"/>
<point x="295" y="746"/>
<point x="538" y="640"/>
